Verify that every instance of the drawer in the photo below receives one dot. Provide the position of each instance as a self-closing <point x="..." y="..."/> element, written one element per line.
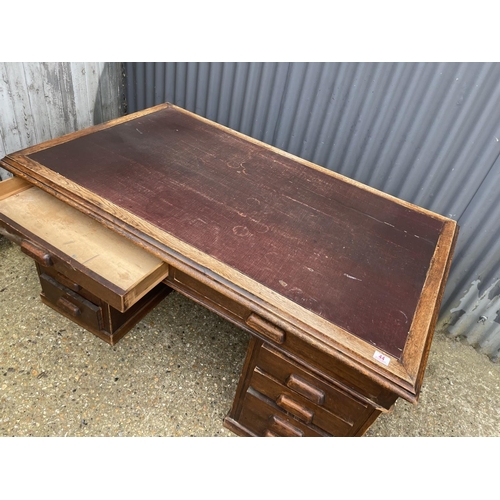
<point x="300" y="407"/>
<point x="70" y="304"/>
<point x="261" y="417"/>
<point x="339" y="402"/>
<point x="67" y="282"/>
<point x="111" y="325"/>
<point x="206" y="295"/>
<point x="278" y="333"/>
<point x="58" y="236"/>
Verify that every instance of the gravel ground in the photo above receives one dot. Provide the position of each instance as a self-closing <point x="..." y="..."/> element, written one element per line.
<point x="175" y="373"/>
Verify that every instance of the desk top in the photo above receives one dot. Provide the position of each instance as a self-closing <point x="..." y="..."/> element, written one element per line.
<point x="335" y="252"/>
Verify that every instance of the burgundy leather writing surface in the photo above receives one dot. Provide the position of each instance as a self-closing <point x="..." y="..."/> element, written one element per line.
<point x="351" y="256"/>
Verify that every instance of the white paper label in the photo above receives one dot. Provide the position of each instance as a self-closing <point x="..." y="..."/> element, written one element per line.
<point x="382" y="358"/>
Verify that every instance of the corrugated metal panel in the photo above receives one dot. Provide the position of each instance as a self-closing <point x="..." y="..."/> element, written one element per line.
<point x="41" y="101"/>
<point x="475" y="280"/>
<point x="428" y="133"/>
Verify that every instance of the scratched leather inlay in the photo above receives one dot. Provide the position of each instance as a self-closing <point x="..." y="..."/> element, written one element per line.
<point x="350" y="256"/>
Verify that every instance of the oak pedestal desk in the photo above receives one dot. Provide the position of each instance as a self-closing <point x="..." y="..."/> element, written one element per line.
<point x="338" y="284"/>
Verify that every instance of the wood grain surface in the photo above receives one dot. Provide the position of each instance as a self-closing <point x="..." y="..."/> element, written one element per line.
<point x="354" y="258"/>
<point x="86" y="241"/>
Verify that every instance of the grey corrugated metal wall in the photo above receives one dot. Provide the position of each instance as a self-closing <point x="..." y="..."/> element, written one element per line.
<point x="428" y="133"/>
<point x="41" y="101"/>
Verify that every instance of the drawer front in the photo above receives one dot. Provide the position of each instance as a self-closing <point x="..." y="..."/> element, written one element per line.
<point x="297" y="405"/>
<point x="263" y="418"/>
<point x="112" y="318"/>
<point x="335" y="369"/>
<point x="92" y="313"/>
<point x="59" y="267"/>
<point x="300" y="381"/>
<point x="62" y="279"/>
<point x="206" y="295"/>
<point x="70" y="304"/>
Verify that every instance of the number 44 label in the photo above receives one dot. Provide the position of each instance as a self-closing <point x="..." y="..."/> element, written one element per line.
<point x="382" y="358"/>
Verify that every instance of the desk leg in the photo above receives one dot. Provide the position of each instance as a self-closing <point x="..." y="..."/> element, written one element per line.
<point x="231" y="421"/>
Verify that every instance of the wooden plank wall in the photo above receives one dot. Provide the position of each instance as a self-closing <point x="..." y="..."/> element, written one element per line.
<point x="45" y="100"/>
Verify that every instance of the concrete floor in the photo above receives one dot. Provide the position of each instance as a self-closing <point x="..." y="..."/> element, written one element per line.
<point x="176" y="372"/>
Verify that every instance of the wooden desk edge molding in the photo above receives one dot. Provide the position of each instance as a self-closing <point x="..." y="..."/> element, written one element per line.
<point x="295" y="215"/>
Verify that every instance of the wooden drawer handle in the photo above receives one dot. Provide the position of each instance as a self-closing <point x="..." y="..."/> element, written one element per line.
<point x="295" y="408"/>
<point x="270" y="434"/>
<point x="266" y="328"/>
<point x="68" y="283"/>
<point x="307" y="390"/>
<point x="69" y="307"/>
<point x="36" y="253"/>
<point x="283" y="428"/>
